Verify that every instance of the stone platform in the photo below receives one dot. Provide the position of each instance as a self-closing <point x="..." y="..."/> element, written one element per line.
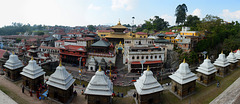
<point x="5" y="99"/>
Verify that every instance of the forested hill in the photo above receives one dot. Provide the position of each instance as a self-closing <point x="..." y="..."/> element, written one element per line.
<point x="16" y="28"/>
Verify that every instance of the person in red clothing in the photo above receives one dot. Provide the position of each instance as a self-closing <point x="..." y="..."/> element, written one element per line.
<point x="30" y="91"/>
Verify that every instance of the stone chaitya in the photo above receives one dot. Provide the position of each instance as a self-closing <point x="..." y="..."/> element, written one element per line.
<point x="99" y="89"/>
<point x="232" y="60"/>
<point x="206" y="73"/>
<point x="60" y="85"/>
<point x="183" y="81"/>
<point x="237" y="55"/>
<point x="32" y="75"/>
<point x="148" y="89"/>
<point x="13" y="67"/>
<point x="92" y="64"/>
<point x="222" y="65"/>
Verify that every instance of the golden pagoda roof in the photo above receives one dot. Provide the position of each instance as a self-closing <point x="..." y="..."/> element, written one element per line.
<point x="119" y="26"/>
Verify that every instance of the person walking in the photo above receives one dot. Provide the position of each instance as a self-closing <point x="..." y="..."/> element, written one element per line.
<point x="22" y="89"/>
<point x="30" y="91"/>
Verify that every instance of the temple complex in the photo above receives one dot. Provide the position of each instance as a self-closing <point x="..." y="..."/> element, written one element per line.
<point x="222" y="65"/>
<point x="206" y="73"/>
<point x="99" y="89"/>
<point x="32" y="75"/>
<point x="237" y="55"/>
<point x="183" y="81"/>
<point x="119" y="33"/>
<point x="103" y="53"/>
<point x="232" y="60"/>
<point x="60" y="85"/>
<point x="148" y="89"/>
<point x="13" y="67"/>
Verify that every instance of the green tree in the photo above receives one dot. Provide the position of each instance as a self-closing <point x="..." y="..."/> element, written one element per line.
<point x="91" y="28"/>
<point x="192" y="22"/>
<point x="159" y="24"/>
<point x="180" y="13"/>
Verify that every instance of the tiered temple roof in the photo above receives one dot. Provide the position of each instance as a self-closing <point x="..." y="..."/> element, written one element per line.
<point x="32" y="70"/>
<point x="231" y="58"/>
<point x="237" y="54"/>
<point x="183" y="75"/>
<point x="147" y="84"/>
<point x="13" y="62"/>
<point x="100" y="84"/>
<point x="61" y="78"/>
<point x="221" y="61"/>
<point x="207" y="67"/>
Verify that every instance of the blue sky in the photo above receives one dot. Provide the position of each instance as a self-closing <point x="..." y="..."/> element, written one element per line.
<point x="108" y="12"/>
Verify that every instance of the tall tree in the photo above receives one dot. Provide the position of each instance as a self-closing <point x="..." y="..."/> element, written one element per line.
<point x="180" y="13"/>
<point x="159" y="24"/>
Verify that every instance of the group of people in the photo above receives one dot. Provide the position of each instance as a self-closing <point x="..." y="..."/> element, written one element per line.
<point x="118" y="94"/>
<point x="38" y="91"/>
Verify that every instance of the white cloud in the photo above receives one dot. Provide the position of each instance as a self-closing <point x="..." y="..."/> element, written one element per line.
<point x="123" y="4"/>
<point x="229" y="16"/>
<point x="94" y="7"/>
<point x="170" y="19"/>
<point x="196" y="12"/>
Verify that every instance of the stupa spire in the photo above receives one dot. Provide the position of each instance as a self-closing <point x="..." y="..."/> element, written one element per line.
<point x="32" y="58"/>
<point x="148" y="68"/>
<point x="99" y="69"/>
<point x="207" y="57"/>
<point x="60" y="63"/>
<point x="184" y="60"/>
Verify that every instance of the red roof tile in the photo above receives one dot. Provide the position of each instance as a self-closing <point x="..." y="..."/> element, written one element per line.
<point x="169" y="33"/>
<point x="74" y="48"/>
<point x="47" y="47"/>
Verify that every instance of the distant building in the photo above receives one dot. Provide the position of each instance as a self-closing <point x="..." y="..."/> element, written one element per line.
<point x="185" y="31"/>
<point x="72" y="54"/>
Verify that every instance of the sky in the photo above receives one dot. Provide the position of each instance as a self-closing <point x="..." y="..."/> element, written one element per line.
<point x="109" y="12"/>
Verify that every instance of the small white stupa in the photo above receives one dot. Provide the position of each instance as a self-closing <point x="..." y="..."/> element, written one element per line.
<point x="221" y="65"/>
<point x="32" y="70"/>
<point x="13" y="62"/>
<point x="206" y="73"/>
<point x="237" y="54"/>
<point x="13" y="67"/>
<point x="232" y="60"/>
<point x="99" y="89"/>
<point x="100" y="84"/>
<point x="61" y="78"/>
<point x="183" y="75"/>
<point x="207" y="67"/>
<point x="178" y="37"/>
<point x="148" y="88"/>
<point x="221" y="61"/>
<point x="147" y="84"/>
<point x="92" y="64"/>
<point x="183" y="81"/>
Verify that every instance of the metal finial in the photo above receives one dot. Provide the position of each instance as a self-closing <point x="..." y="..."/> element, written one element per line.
<point x="13" y="53"/>
<point x="32" y="58"/>
<point x="184" y="60"/>
<point x="148" y="68"/>
<point x="99" y="69"/>
<point x="207" y="57"/>
<point x="60" y="63"/>
<point x="222" y="52"/>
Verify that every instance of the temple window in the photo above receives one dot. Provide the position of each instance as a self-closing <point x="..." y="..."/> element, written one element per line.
<point x="146" y="57"/>
<point x="151" y="57"/>
<point x="142" y="57"/>
<point x="140" y="36"/>
<point x="133" y="57"/>
<point x="137" y="57"/>
<point x="155" y="57"/>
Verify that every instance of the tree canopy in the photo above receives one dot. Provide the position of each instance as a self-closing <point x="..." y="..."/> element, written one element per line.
<point x="192" y="21"/>
<point x="181" y="13"/>
<point x="91" y="28"/>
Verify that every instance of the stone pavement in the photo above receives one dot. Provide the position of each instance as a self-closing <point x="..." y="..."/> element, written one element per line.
<point x="230" y="96"/>
<point x="5" y="99"/>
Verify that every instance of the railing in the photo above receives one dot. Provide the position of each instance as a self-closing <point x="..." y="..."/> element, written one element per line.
<point x="102" y="54"/>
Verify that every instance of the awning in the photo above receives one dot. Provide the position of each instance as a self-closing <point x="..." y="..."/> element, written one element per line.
<point x="147" y="62"/>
